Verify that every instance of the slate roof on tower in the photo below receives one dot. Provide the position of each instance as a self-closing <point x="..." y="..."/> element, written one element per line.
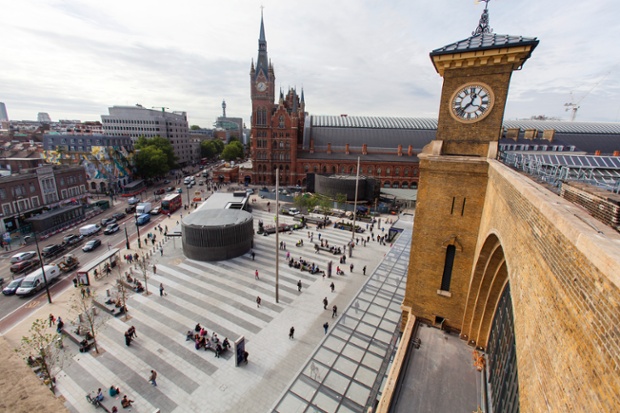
<point x="485" y="41"/>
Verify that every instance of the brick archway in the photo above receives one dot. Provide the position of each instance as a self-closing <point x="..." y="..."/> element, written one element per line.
<point x="488" y="281"/>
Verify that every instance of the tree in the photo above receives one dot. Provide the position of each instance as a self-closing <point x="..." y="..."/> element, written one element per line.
<point x="160" y="143"/>
<point x="45" y="346"/>
<point x="340" y="199"/>
<point x="83" y="305"/>
<point x="211" y="148"/>
<point x="195" y="127"/>
<point x="232" y="151"/>
<point x="151" y="162"/>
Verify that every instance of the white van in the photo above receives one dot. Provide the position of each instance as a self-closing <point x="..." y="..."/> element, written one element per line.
<point x="187" y="180"/>
<point x="88" y="230"/>
<point x="33" y="282"/>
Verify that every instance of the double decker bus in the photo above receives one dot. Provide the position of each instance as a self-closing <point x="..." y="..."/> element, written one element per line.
<point x="171" y="203"/>
<point x="133" y="188"/>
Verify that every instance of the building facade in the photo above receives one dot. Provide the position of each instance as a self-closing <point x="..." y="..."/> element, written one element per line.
<point x="136" y="121"/>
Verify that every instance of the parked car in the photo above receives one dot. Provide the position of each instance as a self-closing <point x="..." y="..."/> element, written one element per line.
<point x="130" y="209"/>
<point x="107" y="221"/>
<point x="167" y="181"/>
<point x="118" y="216"/>
<point x="111" y="229"/>
<point x="52" y="250"/>
<point x="23" y="266"/>
<point x="91" y="245"/>
<point x="72" y="239"/>
<point x="133" y="200"/>
<point x="170" y="189"/>
<point x="22" y="256"/>
<point x="12" y="287"/>
<point x="179" y="191"/>
<point x="155" y="211"/>
<point x="159" y="191"/>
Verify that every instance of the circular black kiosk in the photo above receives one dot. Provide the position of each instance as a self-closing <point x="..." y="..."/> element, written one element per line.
<point x="217" y="234"/>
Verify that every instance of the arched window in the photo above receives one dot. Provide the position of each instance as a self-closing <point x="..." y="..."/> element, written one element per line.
<point x="415" y="172"/>
<point x="387" y="171"/>
<point x="406" y="171"/>
<point x="406" y="185"/>
<point x="386" y="184"/>
<point x="324" y="169"/>
<point x="316" y="168"/>
<point x="334" y="169"/>
<point x="395" y="185"/>
<point x="306" y="168"/>
<point x="342" y="169"/>
<point x="397" y="171"/>
<point x="370" y="170"/>
<point x="351" y="170"/>
<point x="281" y="122"/>
<point x="281" y="145"/>
<point x="378" y="171"/>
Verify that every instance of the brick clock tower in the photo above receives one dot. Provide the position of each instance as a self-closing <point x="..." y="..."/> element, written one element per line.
<point x="277" y="129"/>
<point x="453" y="170"/>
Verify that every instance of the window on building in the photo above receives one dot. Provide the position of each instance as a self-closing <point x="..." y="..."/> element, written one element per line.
<point x="6" y="209"/>
<point x="281" y="122"/>
<point x="447" y="268"/>
<point x="35" y="201"/>
<point x="2" y="193"/>
<point x="33" y="189"/>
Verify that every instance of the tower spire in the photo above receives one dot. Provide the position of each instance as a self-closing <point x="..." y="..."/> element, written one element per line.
<point x="483" y="24"/>
<point x="262" y="63"/>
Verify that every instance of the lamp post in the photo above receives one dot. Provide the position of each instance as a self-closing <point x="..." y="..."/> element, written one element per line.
<point x="126" y="236"/>
<point x="135" y="216"/>
<point x="47" y="289"/>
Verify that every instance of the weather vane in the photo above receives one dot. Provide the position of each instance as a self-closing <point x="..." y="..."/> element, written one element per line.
<point x="483" y="25"/>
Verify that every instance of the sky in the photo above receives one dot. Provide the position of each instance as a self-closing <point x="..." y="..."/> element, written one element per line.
<point x="76" y="58"/>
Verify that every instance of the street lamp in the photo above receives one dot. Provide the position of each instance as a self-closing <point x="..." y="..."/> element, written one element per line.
<point x="126" y="236"/>
<point x="135" y="216"/>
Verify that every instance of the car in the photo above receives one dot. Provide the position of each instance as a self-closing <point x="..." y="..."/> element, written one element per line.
<point x="170" y="189"/>
<point x="72" y="239"/>
<point x="155" y="211"/>
<point x="198" y="175"/>
<point x="159" y="191"/>
<point x="201" y="182"/>
<point x="13" y="286"/>
<point x="118" y="216"/>
<point x="111" y="229"/>
<point x="23" y="266"/>
<point x="52" y="250"/>
<point x="130" y="209"/>
<point x="133" y="200"/>
<point x="179" y="190"/>
<point x="91" y="245"/>
<point x="167" y="181"/>
<point x="23" y="256"/>
<point x="107" y="221"/>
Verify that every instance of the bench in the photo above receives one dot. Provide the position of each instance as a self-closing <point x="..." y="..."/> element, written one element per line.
<point x="72" y="334"/>
<point x="331" y="251"/>
<point x="211" y="348"/>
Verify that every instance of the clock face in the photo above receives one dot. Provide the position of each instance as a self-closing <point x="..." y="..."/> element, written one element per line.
<point x="261" y="86"/>
<point x="471" y="102"/>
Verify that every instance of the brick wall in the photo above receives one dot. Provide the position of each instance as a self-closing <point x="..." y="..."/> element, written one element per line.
<point x="565" y="282"/>
<point x="602" y="205"/>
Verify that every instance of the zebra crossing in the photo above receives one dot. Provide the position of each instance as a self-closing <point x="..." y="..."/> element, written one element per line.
<point x="221" y="296"/>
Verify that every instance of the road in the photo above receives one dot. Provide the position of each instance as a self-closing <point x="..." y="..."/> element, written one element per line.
<point x="14" y="308"/>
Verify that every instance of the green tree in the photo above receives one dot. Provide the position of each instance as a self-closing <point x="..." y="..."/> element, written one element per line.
<point x="43" y="345"/>
<point x="151" y="162"/>
<point x="232" y="151"/>
<point x="195" y="127"/>
<point x="340" y="199"/>
<point x="162" y="144"/>
<point x="87" y="319"/>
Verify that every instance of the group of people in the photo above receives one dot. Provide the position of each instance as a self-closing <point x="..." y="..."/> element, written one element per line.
<point x="200" y="336"/>
<point x="130" y="335"/>
<point x="304" y="265"/>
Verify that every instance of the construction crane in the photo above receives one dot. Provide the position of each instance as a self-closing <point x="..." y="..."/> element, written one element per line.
<point x="163" y="109"/>
<point x="574" y="106"/>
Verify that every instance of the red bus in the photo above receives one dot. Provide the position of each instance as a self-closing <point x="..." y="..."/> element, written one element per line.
<point x="171" y="203"/>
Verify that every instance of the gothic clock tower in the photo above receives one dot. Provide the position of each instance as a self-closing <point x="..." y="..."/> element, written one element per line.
<point x="453" y="170"/>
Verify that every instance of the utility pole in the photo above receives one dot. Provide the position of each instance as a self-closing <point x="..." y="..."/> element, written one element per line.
<point x="277" y="235"/>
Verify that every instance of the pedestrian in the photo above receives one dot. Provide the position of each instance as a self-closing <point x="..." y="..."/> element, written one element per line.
<point x="334" y="311"/>
<point x="127" y="338"/>
<point x="253" y="255"/>
<point x="83" y="293"/>
<point x="332" y="286"/>
<point x="258" y="301"/>
<point x="152" y="241"/>
<point x="326" y="326"/>
<point x="154" y="269"/>
<point x="87" y="291"/>
<point x="299" y="285"/>
<point x="325" y="303"/>
<point x="364" y="270"/>
<point x="291" y="333"/>
<point x="161" y="251"/>
<point x="245" y="357"/>
<point x="132" y="332"/>
<point x="75" y="282"/>
<point x="60" y="325"/>
<point x="256" y="275"/>
<point x="146" y="242"/>
<point x="161" y="289"/>
<point x="153" y="378"/>
<point x="351" y="267"/>
<point x="52" y="319"/>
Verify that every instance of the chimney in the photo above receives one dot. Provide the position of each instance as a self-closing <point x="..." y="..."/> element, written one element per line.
<point x="400" y="150"/>
<point x="365" y="149"/>
<point x="530" y="134"/>
<point x="597" y="152"/>
<point x="346" y="149"/>
<point x="513" y="133"/>
<point x="329" y="148"/>
<point x="311" y="145"/>
<point x="616" y="153"/>
<point x="410" y="151"/>
<point x="549" y="134"/>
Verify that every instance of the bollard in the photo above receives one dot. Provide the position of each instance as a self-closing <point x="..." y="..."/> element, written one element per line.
<point x="107" y="292"/>
<point x="81" y="317"/>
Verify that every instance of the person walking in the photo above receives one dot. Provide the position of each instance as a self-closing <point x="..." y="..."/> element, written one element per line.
<point x="253" y="255"/>
<point x="161" y="289"/>
<point x="256" y="275"/>
<point x="52" y="319"/>
<point x="364" y="270"/>
<point x="332" y="286"/>
<point x="351" y="267"/>
<point x="334" y="311"/>
<point x="326" y="326"/>
<point x="153" y="378"/>
<point x="291" y="333"/>
<point x="154" y="269"/>
<point x="161" y="251"/>
<point x="83" y="293"/>
<point x="299" y="285"/>
<point x="325" y="302"/>
<point x="87" y="291"/>
<point x="258" y="301"/>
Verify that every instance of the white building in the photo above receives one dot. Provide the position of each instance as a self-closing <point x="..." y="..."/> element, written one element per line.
<point x="136" y="121"/>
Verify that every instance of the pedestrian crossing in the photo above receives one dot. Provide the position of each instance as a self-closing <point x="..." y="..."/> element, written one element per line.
<point x="221" y="296"/>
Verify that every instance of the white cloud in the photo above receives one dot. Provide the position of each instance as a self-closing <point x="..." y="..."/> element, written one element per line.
<point x="75" y="58"/>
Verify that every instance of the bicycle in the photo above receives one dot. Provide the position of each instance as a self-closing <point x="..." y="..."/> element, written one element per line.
<point x="92" y="399"/>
